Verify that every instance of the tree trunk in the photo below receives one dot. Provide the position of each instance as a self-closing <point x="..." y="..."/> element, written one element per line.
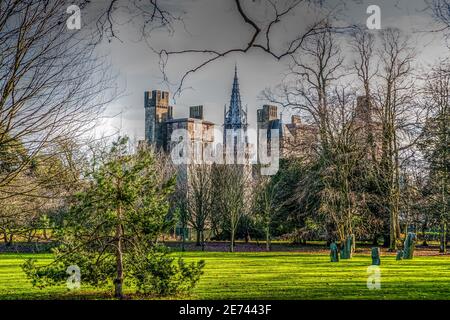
<point x="118" y="282"/>
<point x="267" y="238"/>
<point x="443" y="238"/>
<point x="393" y="232"/>
<point x="232" y="241"/>
<point x="10" y="240"/>
<point x="197" y="242"/>
<point x="247" y="236"/>
<point x="30" y="237"/>
<point x="386" y="240"/>
<point x="202" y="235"/>
<point x="183" y="239"/>
<point x="119" y="261"/>
<point x="397" y="226"/>
<point x="375" y="240"/>
<point x="424" y="234"/>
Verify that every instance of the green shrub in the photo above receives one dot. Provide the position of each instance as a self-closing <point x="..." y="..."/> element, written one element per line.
<point x="158" y="273"/>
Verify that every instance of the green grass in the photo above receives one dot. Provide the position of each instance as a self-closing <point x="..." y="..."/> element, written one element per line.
<point x="277" y="275"/>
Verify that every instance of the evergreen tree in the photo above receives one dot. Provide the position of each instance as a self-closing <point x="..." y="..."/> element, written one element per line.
<point x="111" y="231"/>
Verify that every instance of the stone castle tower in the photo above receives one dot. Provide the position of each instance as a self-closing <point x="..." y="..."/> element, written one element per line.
<point x="267" y="119"/>
<point x="157" y="112"/>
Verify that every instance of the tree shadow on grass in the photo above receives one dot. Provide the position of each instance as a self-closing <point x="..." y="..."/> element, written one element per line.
<point x="58" y="295"/>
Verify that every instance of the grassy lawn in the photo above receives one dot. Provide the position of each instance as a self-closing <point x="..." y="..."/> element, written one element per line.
<point x="277" y="275"/>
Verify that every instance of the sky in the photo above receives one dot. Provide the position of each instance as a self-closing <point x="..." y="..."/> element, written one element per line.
<point x="216" y="24"/>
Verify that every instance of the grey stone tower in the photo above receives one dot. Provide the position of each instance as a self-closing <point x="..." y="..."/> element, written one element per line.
<point x="157" y="112"/>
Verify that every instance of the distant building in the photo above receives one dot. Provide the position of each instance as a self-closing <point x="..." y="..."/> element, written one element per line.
<point x="299" y="140"/>
<point x="196" y="112"/>
<point x="201" y="133"/>
<point x="296" y="139"/>
<point x="160" y="124"/>
<point x="369" y="128"/>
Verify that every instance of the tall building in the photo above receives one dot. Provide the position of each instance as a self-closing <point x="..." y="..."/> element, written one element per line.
<point x="235" y="138"/>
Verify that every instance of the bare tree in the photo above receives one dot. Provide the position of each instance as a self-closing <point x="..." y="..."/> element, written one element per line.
<point x="262" y="21"/>
<point x="53" y="177"/>
<point x="232" y="195"/>
<point x="199" y="198"/>
<point x="261" y="34"/>
<point x="394" y="97"/>
<point x="313" y="73"/>
<point x="52" y="85"/>
<point x="440" y="10"/>
<point x="363" y="44"/>
<point x="434" y="142"/>
<point x="148" y="15"/>
<point x="316" y="89"/>
<point x="266" y="191"/>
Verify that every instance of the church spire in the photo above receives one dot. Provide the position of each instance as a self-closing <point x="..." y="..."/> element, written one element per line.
<point x="235" y="124"/>
<point x="236" y="117"/>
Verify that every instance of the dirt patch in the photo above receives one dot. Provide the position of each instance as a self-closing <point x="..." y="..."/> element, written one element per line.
<point x="20" y="247"/>
<point x="222" y="246"/>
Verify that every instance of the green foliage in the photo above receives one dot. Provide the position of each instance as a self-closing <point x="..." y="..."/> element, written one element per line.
<point x="13" y="154"/>
<point x="157" y="273"/>
<point x="40" y="278"/>
<point x="296" y="196"/>
<point x="96" y="269"/>
<point x="434" y="143"/>
<point x="114" y="223"/>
